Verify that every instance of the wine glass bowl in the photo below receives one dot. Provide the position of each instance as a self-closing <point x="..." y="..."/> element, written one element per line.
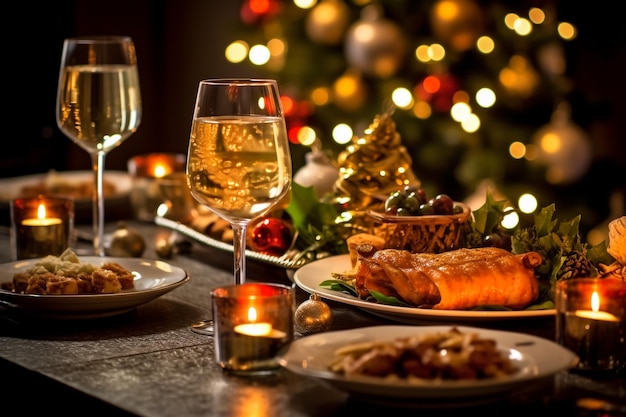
<point x="238" y="162"/>
<point x="98" y="104"/>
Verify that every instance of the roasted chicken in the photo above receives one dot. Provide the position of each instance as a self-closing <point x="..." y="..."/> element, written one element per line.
<point x="455" y="280"/>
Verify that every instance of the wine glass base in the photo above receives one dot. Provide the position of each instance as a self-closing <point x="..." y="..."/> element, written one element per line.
<point x="204" y="327"/>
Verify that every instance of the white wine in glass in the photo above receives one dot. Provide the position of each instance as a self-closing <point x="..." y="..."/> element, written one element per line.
<point x="239" y="162"/>
<point x="98" y="105"/>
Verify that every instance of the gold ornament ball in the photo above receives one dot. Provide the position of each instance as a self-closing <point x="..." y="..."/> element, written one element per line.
<point x="457" y="23"/>
<point x="327" y="22"/>
<point x="313" y="316"/>
<point x="126" y="242"/>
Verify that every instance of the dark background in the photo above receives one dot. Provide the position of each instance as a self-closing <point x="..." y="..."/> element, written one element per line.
<point x="178" y="43"/>
<point x="181" y="42"/>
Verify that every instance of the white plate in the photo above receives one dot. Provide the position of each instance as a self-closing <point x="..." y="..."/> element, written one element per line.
<point x="310" y="276"/>
<point x="12" y="187"/>
<point x="536" y="358"/>
<point x="153" y="278"/>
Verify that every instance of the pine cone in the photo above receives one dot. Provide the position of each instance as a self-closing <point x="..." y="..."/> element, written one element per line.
<point x="576" y="265"/>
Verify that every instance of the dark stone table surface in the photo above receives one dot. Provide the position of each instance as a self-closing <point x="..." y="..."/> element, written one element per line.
<point x="149" y="363"/>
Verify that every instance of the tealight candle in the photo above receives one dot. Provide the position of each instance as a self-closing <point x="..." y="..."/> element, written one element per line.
<point x="591" y="321"/>
<point x="41" y="226"/>
<point x="147" y="172"/>
<point x="253" y="322"/>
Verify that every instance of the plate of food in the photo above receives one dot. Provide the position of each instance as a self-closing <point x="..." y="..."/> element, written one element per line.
<point x="75" y="184"/>
<point x="71" y="287"/>
<point x="400" y="363"/>
<point x="311" y="276"/>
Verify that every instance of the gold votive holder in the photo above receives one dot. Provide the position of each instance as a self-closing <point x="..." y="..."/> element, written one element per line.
<point x="252" y="323"/>
<point x="41" y="226"/>
<point x="147" y="172"/>
<point x="591" y="322"/>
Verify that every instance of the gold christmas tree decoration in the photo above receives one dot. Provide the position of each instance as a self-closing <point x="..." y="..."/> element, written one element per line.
<point x="374" y="166"/>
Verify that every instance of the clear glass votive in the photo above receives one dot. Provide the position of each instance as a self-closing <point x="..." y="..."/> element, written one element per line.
<point x="41" y="226"/>
<point x="591" y="322"/>
<point x="148" y="171"/>
<point x="253" y="322"/>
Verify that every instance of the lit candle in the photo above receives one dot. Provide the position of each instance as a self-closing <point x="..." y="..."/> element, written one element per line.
<point x="147" y="172"/>
<point x="258" y="329"/>
<point x="161" y="169"/>
<point x="253" y="322"/>
<point x="41" y="219"/>
<point x="40" y="228"/>
<point x="590" y="321"/>
<point x="594" y="313"/>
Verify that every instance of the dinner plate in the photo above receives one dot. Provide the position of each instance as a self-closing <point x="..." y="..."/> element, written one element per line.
<point x="153" y="278"/>
<point x="13" y="187"/>
<point x="310" y="276"/>
<point x="534" y="357"/>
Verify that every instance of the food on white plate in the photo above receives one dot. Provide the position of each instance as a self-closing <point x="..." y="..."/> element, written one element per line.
<point x="455" y="280"/>
<point x="65" y="274"/>
<point x="353" y="243"/>
<point x="450" y="355"/>
<point x="54" y="183"/>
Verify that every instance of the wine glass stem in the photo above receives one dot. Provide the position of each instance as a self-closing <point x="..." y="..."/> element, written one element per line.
<point x="239" y="249"/>
<point x="97" y="162"/>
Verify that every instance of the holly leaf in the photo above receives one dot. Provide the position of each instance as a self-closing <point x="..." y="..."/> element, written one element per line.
<point x="489" y="215"/>
<point x="544" y="225"/>
<point x="305" y="209"/>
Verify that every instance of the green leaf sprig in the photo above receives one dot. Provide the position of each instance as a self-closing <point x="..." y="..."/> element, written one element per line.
<point x="316" y="222"/>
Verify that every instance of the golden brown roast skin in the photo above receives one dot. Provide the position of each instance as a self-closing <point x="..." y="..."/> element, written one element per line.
<point x="455" y="280"/>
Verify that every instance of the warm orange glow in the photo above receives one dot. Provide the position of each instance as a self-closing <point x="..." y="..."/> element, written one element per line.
<point x="288" y="105"/>
<point x="431" y="84"/>
<point x="259" y="6"/>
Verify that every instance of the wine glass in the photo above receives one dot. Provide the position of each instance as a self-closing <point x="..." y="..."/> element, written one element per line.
<point x="98" y="105"/>
<point x="238" y="162"/>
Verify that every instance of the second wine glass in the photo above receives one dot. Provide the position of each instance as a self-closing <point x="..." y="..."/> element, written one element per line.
<point x="238" y="162"/>
<point x="98" y="105"/>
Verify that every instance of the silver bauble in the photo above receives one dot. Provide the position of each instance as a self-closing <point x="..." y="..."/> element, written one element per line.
<point x="375" y="45"/>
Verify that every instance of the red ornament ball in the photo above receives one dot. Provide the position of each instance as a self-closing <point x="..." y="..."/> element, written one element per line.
<point x="270" y="236"/>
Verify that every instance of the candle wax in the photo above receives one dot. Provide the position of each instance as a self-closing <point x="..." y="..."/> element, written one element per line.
<point x="260" y="330"/>
<point x="596" y="315"/>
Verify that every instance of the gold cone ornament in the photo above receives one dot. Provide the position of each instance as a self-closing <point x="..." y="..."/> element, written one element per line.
<point x="374" y="166"/>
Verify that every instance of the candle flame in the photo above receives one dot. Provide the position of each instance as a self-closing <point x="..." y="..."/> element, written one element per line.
<point x="252" y="315"/>
<point x="595" y="301"/>
<point x="41" y="211"/>
<point x="161" y="170"/>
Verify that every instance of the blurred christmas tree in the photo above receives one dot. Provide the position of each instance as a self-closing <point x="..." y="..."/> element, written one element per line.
<point x="481" y="91"/>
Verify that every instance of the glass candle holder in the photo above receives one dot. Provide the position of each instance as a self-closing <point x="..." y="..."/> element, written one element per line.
<point x="147" y="172"/>
<point x="253" y="322"/>
<point x="591" y="322"/>
<point x="41" y="226"/>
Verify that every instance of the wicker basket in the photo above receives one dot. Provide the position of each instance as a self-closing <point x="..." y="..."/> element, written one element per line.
<point x="419" y="234"/>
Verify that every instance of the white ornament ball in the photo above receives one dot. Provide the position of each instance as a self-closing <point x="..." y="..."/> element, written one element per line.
<point x="563" y="147"/>
<point x="318" y="173"/>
